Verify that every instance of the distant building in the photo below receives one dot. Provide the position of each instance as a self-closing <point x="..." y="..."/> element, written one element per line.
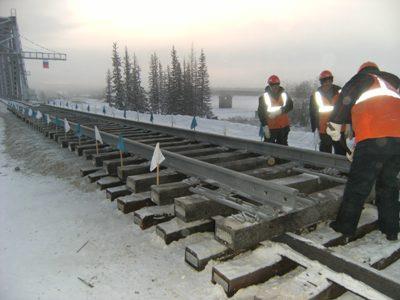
<point x="225" y="101"/>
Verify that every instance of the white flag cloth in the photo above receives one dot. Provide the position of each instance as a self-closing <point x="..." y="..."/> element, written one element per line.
<point x="66" y="125"/>
<point x="157" y="158"/>
<point x="97" y="135"/>
<point x="30" y="112"/>
<point x="48" y="119"/>
<point x="39" y="115"/>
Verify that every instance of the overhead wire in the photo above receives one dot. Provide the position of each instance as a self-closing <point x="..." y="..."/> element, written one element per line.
<point x="36" y="44"/>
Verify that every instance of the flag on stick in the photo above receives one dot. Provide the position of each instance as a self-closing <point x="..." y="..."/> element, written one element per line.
<point x="98" y="139"/>
<point x="125" y="113"/>
<point x="156" y="160"/>
<point x="67" y="128"/>
<point x="104" y="109"/>
<point x="78" y="132"/>
<point x="30" y="112"/>
<point x="194" y="123"/>
<point x="151" y="117"/>
<point x="39" y="115"/>
<point x="121" y="147"/>
<point x="48" y="119"/>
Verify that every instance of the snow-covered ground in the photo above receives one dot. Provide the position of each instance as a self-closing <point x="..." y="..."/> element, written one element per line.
<point x="48" y="212"/>
<point x="243" y="106"/>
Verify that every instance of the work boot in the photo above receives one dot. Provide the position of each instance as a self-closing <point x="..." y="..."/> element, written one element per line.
<point x="336" y="227"/>
<point x="391" y="237"/>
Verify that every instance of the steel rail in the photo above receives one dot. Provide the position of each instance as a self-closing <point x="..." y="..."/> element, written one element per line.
<point x="277" y="196"/>
<point x="304" y="156"/>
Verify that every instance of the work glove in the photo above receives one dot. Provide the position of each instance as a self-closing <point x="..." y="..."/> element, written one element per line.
<point x="317" y="139"/>
<point x="350" y="155"/>
<point x="267" y="133"/>
<point x="274" y="114"/>
<point x="333" y="130"/>
<point x="348" y="132"/>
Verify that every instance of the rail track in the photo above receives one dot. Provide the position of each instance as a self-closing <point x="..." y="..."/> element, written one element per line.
<point x="270" y="199"/>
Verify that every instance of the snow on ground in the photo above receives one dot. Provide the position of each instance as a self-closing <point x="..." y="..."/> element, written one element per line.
<point x="48" y="212"/>
<point x="242" y="107"/>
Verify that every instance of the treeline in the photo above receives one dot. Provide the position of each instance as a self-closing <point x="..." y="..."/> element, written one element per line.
<point x="180" y="88"/>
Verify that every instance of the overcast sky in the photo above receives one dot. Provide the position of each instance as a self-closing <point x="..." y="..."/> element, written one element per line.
<point x="245" y="41"/>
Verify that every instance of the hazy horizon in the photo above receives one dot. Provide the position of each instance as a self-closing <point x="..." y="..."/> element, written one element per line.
<point x="244" y="41"/>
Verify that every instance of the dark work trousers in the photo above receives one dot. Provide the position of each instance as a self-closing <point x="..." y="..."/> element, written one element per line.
<point x="326" y="144"/>
<point x="375" y="160"/>
<point x="279" y="136"/>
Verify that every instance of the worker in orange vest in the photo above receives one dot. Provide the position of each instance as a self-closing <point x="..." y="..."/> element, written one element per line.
<point x="322" y="102"/>
<point x="273" y="108"/>
<point x="371" y="101"/>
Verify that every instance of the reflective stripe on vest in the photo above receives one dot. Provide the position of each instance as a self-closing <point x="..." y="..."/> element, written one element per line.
<point x="382" y="90"/>
<point x="268" y="102"/>
<point x="322" y="108"/>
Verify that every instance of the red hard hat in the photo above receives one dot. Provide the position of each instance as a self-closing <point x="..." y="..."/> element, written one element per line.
<point x="273" y="79"/>
<point x="367" y="64"/>
<point x="325" y="74"/>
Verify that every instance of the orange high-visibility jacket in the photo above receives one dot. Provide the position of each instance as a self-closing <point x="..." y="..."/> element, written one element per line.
<point x="272" y="104"/>
<point x="376" y="112"/>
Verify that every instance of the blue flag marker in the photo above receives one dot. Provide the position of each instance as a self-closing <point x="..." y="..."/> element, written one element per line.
<point x="125" y="113"/>
<point x="121" y="144"/>
<point x="34" y="114"/>
<point x="261" y="132"/>
<point x="194" y="123"/>
<point x="78" y="131"/>
<point x="151" y="117"/>
<point x="76" y="106"/>
<point x="104" y="109"/>
<point x="67" y="104"/>
<point x="88" y="108"/>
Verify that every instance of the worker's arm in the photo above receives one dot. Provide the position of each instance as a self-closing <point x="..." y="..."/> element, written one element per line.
<point x="288" y="106"/>
<point x="313" y="114"/>
<point x="262" y="110"/>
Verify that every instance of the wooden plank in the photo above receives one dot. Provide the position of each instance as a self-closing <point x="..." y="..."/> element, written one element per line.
<point x="176" y="229"/>
<point x="111" y="166"/>
<point x="117" y="191"/>
<point x="243" y="235"/>
<point x="125" y="171"/>
<point x="153" y="215"/>
<point x="88" y="170"/>
<point x="379" y="282"/>
<point x="108" y="182"/>
<point x="97" y="175"/>
<point x="88" y="153"/>
<point x="195" y="207"/>
<point x="99" y="158"/>
<point x="79" y="149"/>
<point x="166" y="193"/>
<point x="250" y="268"/>
<point x="133" y="202"/>
<point x="199" y="254"/>
<point x="143" y="182"/>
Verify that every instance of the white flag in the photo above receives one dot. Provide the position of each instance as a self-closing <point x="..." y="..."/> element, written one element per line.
<point x="157" y="158"/>
<point x="39" y="115"/>
<point x="30" y="112"/>
<point x="66" y="125"/>
<point x="97" y="135"/>
<point x="48" y="119"/>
